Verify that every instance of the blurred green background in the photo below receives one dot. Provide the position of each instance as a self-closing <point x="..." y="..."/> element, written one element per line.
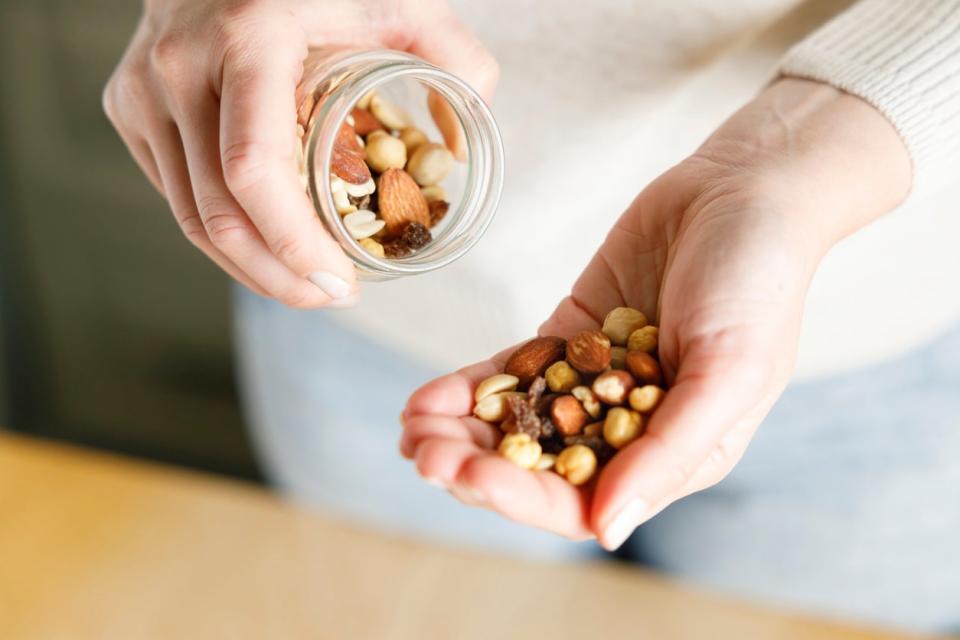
<point x="114" y="331"/>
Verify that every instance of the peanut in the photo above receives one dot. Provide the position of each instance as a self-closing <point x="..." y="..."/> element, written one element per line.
<point x="546" y="462"/>
<point x="494" y="407"/>
<point x="390" y="115"/>
<point x="372" y="247"/>
<point x="495" y="384"/>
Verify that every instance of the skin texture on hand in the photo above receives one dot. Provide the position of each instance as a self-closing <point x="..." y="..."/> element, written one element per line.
<point x="204" y="100"/>
<point x="721" y="249"/>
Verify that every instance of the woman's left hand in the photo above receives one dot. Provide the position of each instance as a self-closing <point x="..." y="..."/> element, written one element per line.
<point x="721" y="249"/>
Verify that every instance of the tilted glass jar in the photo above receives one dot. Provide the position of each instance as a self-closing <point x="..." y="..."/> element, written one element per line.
<point x="332" y="85"/>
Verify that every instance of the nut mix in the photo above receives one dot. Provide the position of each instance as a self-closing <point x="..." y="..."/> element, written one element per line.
<point x="568" y="406"/>
<point x="385" y="178"/>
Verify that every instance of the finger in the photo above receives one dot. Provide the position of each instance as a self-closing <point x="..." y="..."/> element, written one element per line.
<point x="446" y="42"/>
<point x="143" y="155"/>
<point x="716" y="385"/>
<point x="227" y="225"/>
<point x="419" y="428"/>
<point x="175" y="182"/>
<point x="452" y="394"/>
<point x="482" y="478"/>
<point x="258" y="129"/>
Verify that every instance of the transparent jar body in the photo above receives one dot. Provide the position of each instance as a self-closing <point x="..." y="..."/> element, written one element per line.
<point x="332" y="85"/>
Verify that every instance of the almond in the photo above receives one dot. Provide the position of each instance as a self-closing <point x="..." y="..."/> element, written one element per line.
<point x="532" y="358"/>
<point x="401" y="202"/>
<point x="346" y="161"/>
<point x="449" y="124"/>
<point x="364" y="122"/>
<point x="644" y="367"/>
<point x="589" y="351"/>
<point x="568" y="415"/>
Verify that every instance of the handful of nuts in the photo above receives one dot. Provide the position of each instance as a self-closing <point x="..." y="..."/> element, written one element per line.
<point x="385" y="177"/>
<point x="570" y="405"/>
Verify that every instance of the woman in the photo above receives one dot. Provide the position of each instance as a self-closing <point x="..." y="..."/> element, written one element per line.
<point x="596" y="99"/>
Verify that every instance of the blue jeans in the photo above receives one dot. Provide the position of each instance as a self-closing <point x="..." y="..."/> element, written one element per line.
<point x="847" y="502"/>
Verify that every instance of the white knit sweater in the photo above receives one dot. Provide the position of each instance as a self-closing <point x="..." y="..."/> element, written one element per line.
<point x="598" y="98"/>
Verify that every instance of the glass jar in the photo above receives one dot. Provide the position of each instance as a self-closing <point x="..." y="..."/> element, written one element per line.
<point x="332" y="85"/>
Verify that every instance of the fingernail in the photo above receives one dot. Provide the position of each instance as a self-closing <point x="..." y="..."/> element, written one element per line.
<point x="623" y="524"/>
<point x="436" y="483"/>
<point x="468" y="495"/>
<point x="335" y="287"/>
<point x="344" y="303"/>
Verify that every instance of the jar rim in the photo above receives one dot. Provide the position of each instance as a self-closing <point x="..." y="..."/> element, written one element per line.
<point x="484" y="152"/>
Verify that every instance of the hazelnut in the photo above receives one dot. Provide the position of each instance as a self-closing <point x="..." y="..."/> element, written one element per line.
<point x="495" y="384"/>
<point x="614" y="386"/>
<point x="390" y="115"/>
<point x="644" y="339"/>
<point x="576" y="463"/>
<point x="568" y="415"/>
<point x="372" y="247"/>
<point x="494" y="408"/>
<point x="621" y="322"/>
<point x="590" y="402"/>
<point x="618" y="358"/>
<point x="644" y="367"/>
<point x="561" y="377"/>
<point x="434" y="193"/>
<point x="589" y="351"/>
<point x="532" y="358"/>
<point x="646" y="398"/>
<point x="430" y="164"/>
<point x="386" y="152"/>
<point x="546" y="462"/>
<point x="411" y="137"/>
<point x="520" y="449"/>
<point x="622" y="427"/>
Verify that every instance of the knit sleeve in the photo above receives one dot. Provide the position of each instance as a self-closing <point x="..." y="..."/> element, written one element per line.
<point x="903" y="57"/>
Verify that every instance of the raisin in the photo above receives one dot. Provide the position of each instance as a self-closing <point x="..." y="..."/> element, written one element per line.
<point x="438" y="209"/>
<point x="522" y="418"/>
<point x="414" y="236"/>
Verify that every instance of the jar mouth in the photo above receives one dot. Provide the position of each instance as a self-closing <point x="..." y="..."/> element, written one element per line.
<point x="468" y="218"/>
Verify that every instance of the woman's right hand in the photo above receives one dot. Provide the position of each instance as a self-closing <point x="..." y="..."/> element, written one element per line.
<point x="204" y="98"/>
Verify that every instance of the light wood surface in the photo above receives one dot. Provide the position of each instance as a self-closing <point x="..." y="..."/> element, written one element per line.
<point x="94" y="546"/>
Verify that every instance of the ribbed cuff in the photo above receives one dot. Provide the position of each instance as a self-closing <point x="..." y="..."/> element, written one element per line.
<point x="903" y="57"/>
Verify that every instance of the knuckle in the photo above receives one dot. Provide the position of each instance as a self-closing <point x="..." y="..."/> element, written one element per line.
<point x="288" y="248"/>
<point x="227" y="230"/>
<point x="168" y="56"/>
<point x="193" y="229"/>
<point x="244" y="164"/>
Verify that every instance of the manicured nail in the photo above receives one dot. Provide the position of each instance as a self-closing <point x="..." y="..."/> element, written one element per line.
<point x="468" y="495"/>
<point x="333" y="286"/>
<point x="436" y="483"/>
<point x="623" y="524"/>
<point x="344" y="303"/>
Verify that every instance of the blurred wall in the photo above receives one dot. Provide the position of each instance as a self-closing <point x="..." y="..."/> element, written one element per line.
<point x="116" y="331"/>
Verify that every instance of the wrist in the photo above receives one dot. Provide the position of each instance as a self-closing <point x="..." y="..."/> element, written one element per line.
<point x="824" y="157"/>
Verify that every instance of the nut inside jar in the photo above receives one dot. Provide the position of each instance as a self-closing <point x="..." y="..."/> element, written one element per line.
<point x="397" y="168"/>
